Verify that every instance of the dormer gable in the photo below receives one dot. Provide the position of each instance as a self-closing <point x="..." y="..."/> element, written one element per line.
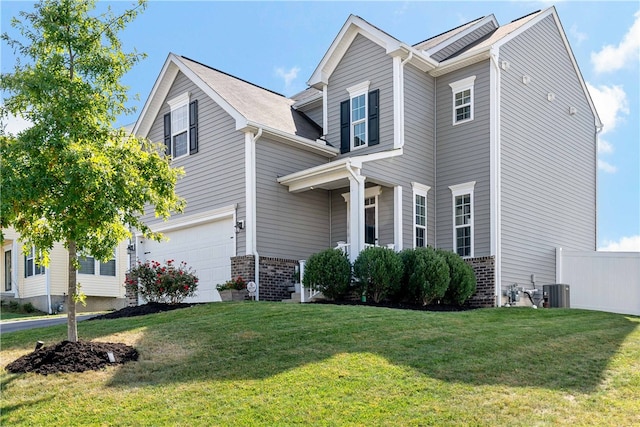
<point x="351" y="28"/>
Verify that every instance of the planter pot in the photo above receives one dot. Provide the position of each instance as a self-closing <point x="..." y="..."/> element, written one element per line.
<point x="233" y="295"/>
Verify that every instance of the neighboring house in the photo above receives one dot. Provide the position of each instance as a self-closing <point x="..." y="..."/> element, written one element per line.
<point x="481" y="140"/>
<point x="46" y="288"/>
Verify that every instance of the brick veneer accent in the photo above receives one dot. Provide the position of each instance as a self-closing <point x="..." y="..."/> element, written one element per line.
<point x="131" y="297"/>
<point x="485" y="270"/>
<point x="276" y="275"/>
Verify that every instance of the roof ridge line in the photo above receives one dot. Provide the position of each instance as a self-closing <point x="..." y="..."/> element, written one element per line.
<point x="235" y="77"/>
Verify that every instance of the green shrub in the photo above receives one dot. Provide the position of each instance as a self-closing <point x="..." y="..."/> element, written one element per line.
<point x="463" y="279"/>
<point x="29" y="308"/>
<point x="426" y="274"/>
<point x="162" y="283"/>
<point x="329" y="272"/>
<point x="378" y="271"/>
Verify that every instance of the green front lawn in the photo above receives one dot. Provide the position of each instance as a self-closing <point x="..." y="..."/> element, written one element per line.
<point x="291" y="364"/>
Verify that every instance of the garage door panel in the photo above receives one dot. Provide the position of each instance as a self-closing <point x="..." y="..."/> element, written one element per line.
<point x="206" y="248"/>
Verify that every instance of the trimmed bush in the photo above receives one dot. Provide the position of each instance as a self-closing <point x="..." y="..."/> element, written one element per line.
<point x="463" y="279"/>
<point x="426" y="275"/>
<point x="162" y="283"/>
<point x="378" y="271"/>
<point x="329" y="272"/>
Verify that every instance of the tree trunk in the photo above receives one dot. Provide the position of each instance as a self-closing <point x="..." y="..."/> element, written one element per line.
<point x="72" y="327"/>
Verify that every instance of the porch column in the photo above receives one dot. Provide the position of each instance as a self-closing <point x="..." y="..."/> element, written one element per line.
<point x="356" y="219"/>
<point x="397" y="217"/>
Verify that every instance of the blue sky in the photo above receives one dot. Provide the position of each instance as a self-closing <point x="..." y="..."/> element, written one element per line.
<point x="277" y="45"/>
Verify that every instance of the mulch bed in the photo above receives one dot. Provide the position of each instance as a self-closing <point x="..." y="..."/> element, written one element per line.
<point x="68" y="356"/>
<point x="401" y="306"/>
<point x="142" y="310"/>
<point x="81" y="356"/>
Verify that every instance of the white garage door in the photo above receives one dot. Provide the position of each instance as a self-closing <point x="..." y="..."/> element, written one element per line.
<point x="207" y="248"/>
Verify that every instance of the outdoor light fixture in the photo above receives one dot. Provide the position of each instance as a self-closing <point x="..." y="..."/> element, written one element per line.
<point x="239" y="225"/>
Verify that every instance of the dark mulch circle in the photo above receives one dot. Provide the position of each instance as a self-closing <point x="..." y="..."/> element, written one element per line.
<point x="68" y="356"/>
<point x="82" y="356"/>
<point x="142" y="310"/>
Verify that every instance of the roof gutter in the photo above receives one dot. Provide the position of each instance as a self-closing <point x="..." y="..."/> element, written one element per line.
<point x="318" y="146"/>
<point x="460" y="61"/>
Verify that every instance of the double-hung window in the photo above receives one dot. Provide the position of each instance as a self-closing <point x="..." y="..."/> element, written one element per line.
<point x="181" y="126"/>
<point x="31" y="266"/>
<point x="463" y="100"/>
<point x="463" y="218"/>
<point x="89" y="265"/>
<point x="420" y="214"/>
<point x="359" y="123"/>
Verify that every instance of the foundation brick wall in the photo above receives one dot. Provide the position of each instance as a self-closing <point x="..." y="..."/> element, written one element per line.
<point x="485" y="270"/>
<point x="276" y="275"/>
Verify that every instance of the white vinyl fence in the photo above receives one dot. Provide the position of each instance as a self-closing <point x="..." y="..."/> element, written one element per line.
<point x="603" y="281"/>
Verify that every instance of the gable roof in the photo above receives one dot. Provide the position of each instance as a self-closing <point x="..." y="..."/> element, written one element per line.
<point x="442" y="37"/>
<point x="351" y="28"/>
<point x="251" y="106"/>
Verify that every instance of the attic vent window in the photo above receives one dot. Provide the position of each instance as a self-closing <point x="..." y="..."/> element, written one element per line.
<point x="463" y="100"/>
<point x="181" y="126"/>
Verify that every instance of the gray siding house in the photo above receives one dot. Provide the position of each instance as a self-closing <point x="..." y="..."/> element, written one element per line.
<point x="481" y="140"/>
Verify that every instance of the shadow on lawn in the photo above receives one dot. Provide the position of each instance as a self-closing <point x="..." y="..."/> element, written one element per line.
<point x="554" y="349"/>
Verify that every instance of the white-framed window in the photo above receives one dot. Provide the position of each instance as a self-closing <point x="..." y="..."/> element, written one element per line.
<point x="89" y="265"/>
<point x="31" y="266"/>
<point x="462" y="100"/>
<point x="420" y="214"/>
<point x="370" y="214"/>
<point x="359" y="113"/>
<point x="181" y="126"/>
<point x="462" y="195"/>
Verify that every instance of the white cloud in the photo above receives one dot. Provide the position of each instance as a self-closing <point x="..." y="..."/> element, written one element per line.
<point x="577" y="35"/>
<point x="613" y="58"/>
<point x="606" y="167"/>
<point x="288" y="75"/>
<point x="604" y="147"/>
<point x="611" y="103"/>
<point x="625" y="244"/>
<point x="12" y="124"/>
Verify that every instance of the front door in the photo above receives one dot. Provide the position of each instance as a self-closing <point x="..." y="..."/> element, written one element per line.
<point x="370" y="224"/>
<point x="8" y="272"/>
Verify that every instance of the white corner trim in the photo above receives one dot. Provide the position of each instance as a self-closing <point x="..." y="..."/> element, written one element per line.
<point x="359" y="88"/>
<point x="462" y="84"/>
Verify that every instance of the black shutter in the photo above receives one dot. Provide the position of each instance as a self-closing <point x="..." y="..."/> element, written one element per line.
<point x="167" y="133"/>
<point x="25" y="267"/>
<point x="345" y="126"/>
<point x="193" y="127"/>
<point x="374" y="128"/>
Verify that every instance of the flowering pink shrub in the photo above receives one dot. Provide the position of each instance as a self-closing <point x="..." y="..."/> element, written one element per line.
<point x="166" y="283"/>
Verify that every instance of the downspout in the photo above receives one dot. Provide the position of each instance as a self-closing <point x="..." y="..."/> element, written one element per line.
<point x="496" y="176"/>
<point x="435" y="162"/>
<point x="256" y="255"/>
<point x="598" y="130"/>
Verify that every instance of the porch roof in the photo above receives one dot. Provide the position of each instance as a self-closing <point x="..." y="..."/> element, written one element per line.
<point x="332" y="175"/>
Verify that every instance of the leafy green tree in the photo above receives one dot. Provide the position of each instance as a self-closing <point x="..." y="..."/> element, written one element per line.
<point x="73" y="177"/>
